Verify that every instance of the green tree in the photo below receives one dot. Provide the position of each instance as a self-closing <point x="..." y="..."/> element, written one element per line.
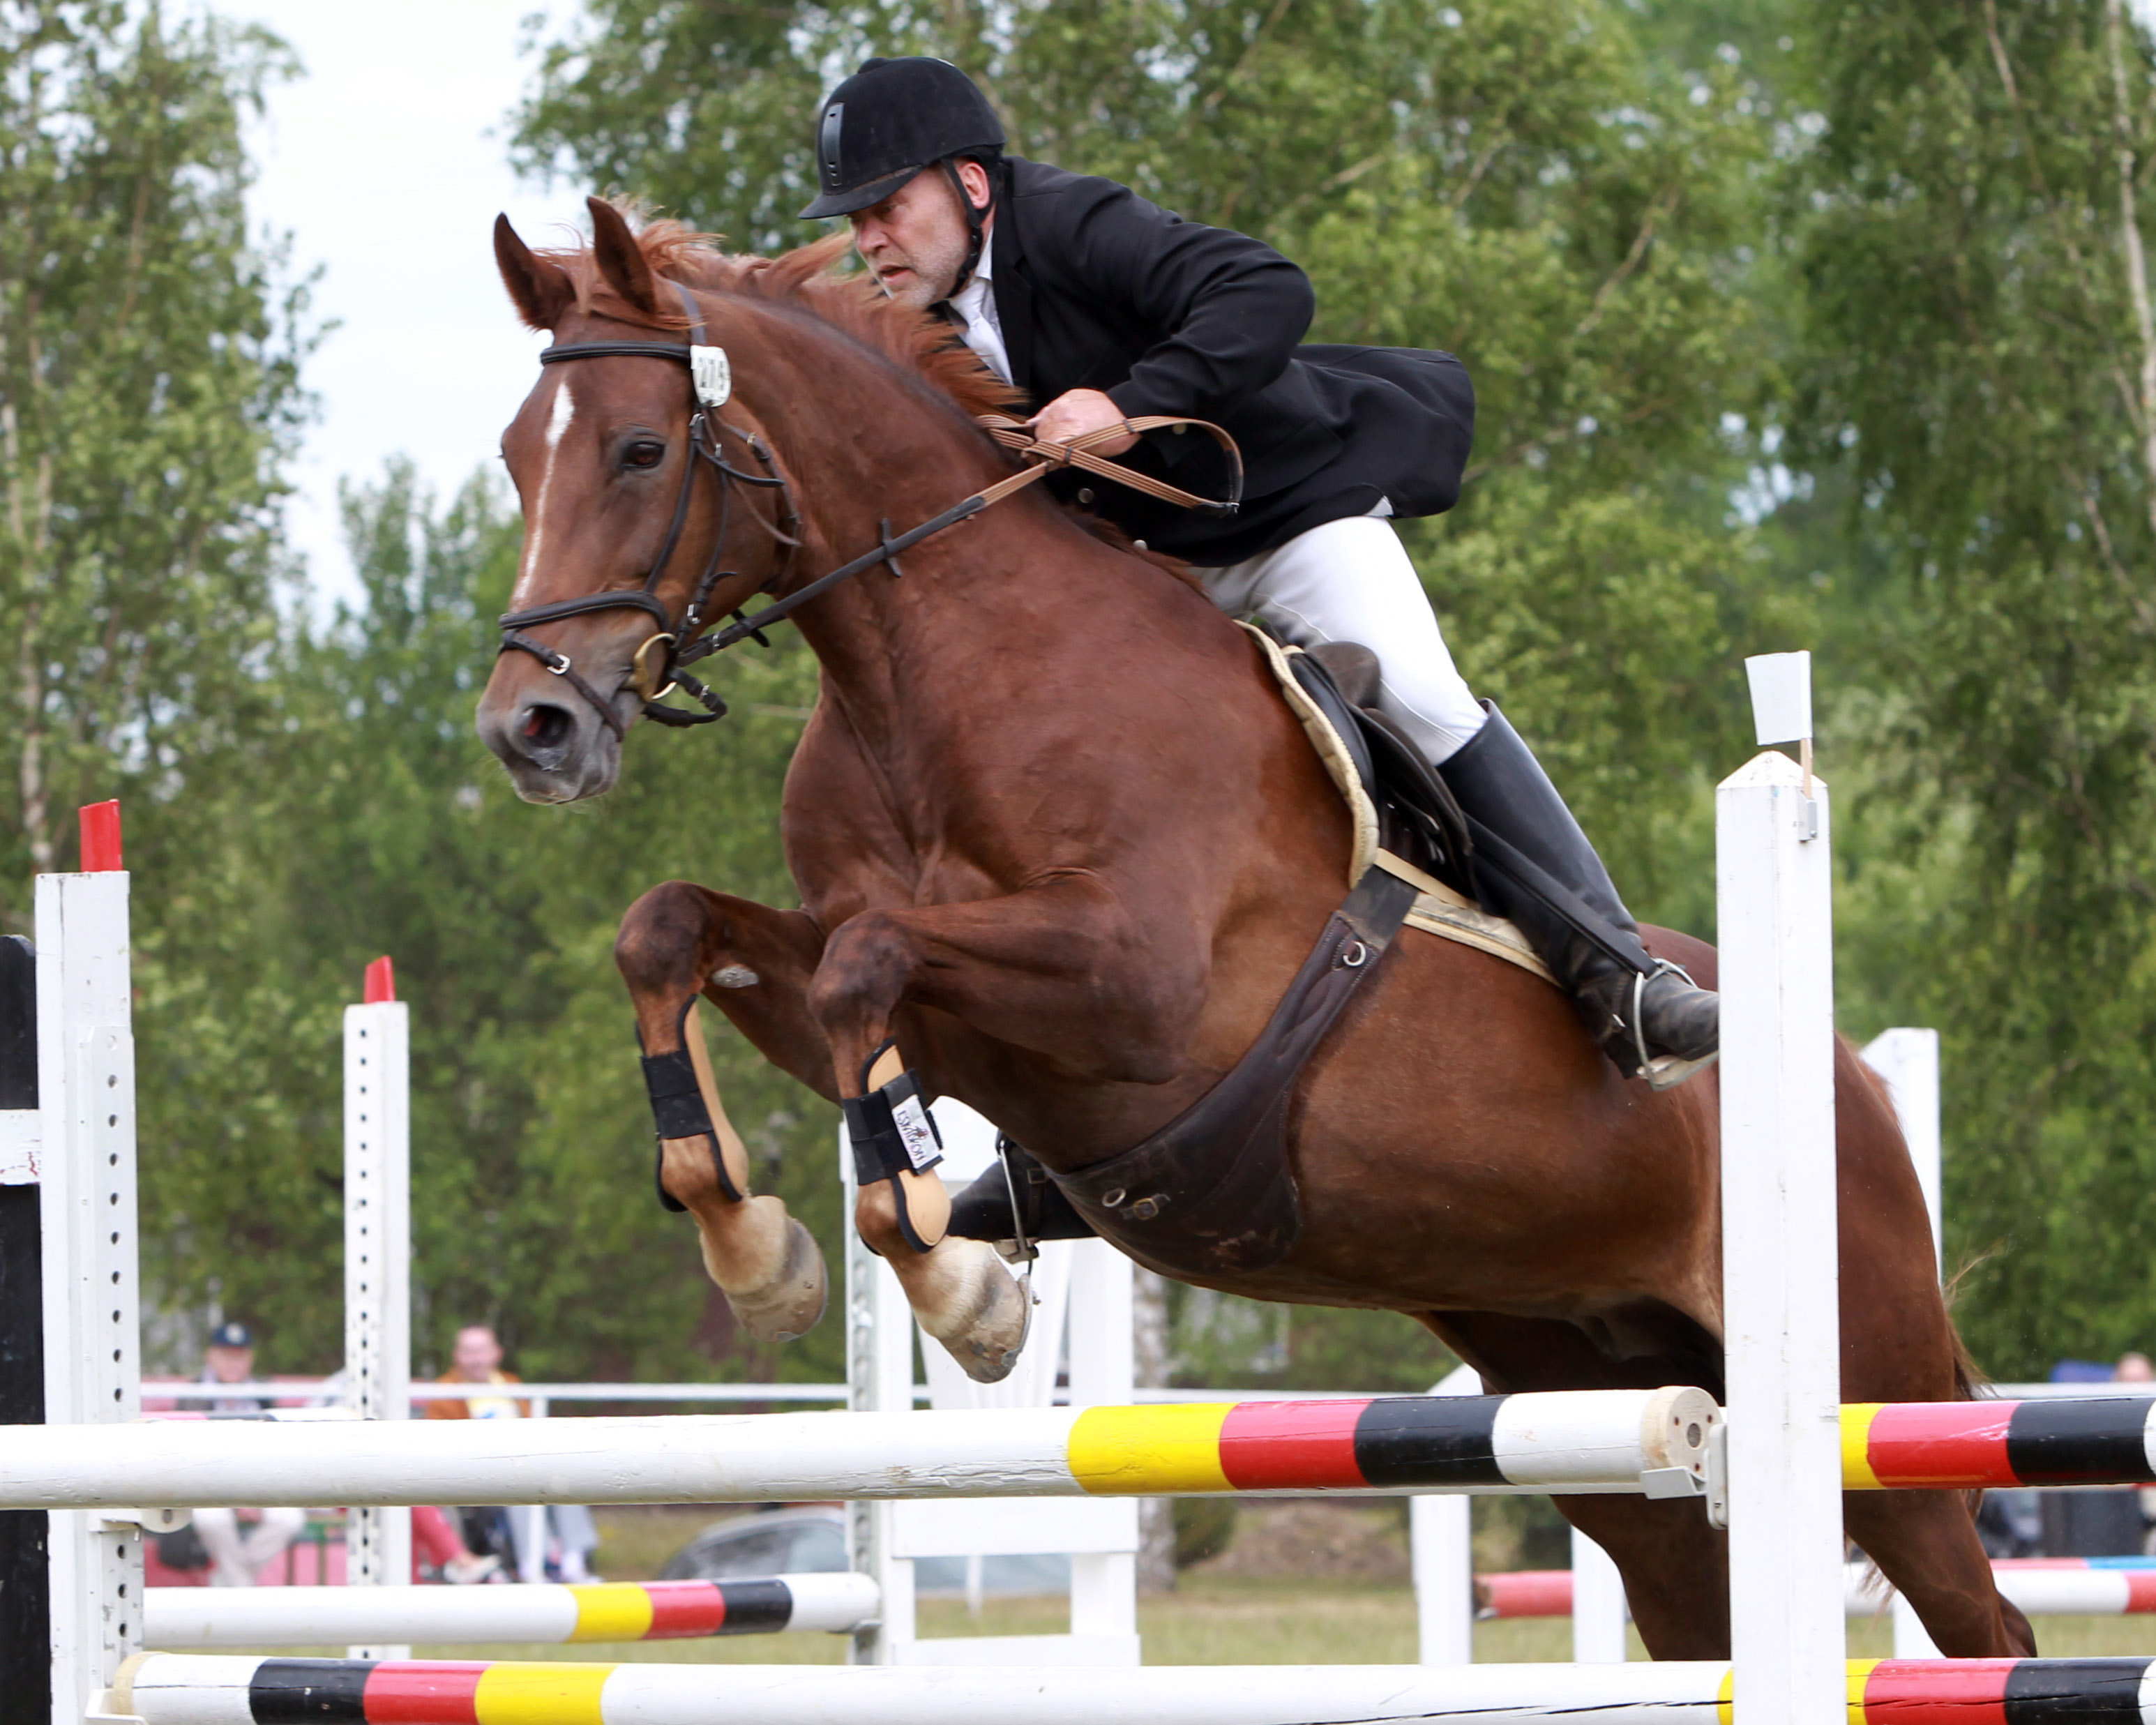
<point x="148" y="392"/>
<point x="1977" y="389"/>
<point x="369" y="818"/>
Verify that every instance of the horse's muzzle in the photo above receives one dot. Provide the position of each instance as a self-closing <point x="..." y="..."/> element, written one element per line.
<point x="555" y="748"/>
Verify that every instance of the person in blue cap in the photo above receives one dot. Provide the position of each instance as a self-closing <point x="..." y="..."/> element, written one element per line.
<point x="1099" y="308"/>
<point x="240" y="1549"/>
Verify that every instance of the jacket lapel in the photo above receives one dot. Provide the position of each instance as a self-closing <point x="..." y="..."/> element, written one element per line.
<point x="1014" y="292"/>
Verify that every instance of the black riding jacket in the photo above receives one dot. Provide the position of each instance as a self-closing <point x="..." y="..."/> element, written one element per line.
<point x="1097" y="289"/>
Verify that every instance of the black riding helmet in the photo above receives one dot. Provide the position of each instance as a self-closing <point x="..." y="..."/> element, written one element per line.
<point x="891" y="121"/>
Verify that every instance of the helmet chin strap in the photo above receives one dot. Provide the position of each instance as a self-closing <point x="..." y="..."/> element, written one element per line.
<point x="974" y="217"/>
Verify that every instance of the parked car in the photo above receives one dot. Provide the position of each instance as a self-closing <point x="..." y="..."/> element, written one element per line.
<point x="811" y="1540"/>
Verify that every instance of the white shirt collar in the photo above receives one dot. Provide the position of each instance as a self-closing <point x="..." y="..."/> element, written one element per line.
<point x="981" y="324"/>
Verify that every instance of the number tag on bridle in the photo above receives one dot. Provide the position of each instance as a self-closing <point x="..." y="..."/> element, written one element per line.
<point x="712" y="375"/>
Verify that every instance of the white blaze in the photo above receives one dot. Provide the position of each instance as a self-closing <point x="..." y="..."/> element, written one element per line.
<point x="557" y="421"/>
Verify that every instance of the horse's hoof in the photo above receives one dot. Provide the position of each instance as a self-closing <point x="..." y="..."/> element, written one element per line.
<point x="787" y="1308"/>
<point x="991" y="1342"/>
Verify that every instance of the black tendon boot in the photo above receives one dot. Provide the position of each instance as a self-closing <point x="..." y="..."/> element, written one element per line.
<point x="1530" y="857"/>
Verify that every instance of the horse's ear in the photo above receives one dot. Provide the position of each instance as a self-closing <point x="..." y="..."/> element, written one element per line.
<point x="620" y="259"/>
<point x="540" y="288"/>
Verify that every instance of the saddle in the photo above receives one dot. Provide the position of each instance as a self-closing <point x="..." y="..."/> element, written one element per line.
<point x="1213" y="1188"/>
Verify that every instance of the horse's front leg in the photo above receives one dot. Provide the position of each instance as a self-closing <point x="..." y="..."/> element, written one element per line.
<point x="677" y="943"/>
<point x="1060" y="968"/>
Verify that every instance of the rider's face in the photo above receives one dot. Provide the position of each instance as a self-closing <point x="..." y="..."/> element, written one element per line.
<point x="915" y="240"/>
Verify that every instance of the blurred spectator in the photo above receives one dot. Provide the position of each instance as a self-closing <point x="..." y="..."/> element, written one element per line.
<point x="241" y="1543"/>
<point x="2010" y="1522"/>
<point x="435" y="1541"/>
<point x="475" y="1357"/>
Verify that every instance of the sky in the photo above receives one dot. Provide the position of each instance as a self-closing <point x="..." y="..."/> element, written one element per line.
<point x="393" y="146"/>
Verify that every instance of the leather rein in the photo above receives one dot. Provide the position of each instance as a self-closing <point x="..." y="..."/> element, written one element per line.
<point x="683" y="642"/>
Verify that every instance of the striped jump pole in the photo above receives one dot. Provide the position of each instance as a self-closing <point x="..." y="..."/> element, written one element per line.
<point x="2042" y="1587"/>
<point x="1568" y="1441"/>
<point x="177" y="1618"/>
<point x="199" y="1689"/>
<point x="2096" y="1441"/>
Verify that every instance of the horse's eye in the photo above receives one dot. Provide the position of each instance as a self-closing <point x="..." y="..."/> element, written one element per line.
<point x="645" y="453"/>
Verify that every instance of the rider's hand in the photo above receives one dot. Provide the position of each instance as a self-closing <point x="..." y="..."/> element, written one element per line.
<point x="1077" y="412"/>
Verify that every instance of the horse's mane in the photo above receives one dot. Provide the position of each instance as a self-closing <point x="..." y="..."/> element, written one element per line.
<point x="804" y="279"/>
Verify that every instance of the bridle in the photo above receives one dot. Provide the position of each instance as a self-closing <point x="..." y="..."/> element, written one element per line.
<point x="682" y="643"/>
<point x="711" y="380"/>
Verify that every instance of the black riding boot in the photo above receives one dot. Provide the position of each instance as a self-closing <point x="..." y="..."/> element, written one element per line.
<point x="1530" y="857"/>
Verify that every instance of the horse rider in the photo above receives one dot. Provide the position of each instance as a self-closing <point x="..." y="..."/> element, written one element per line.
<point x="1099" y="308"/>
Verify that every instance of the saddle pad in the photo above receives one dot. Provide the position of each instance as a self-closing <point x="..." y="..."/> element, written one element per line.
<point x="1438" y="909"/>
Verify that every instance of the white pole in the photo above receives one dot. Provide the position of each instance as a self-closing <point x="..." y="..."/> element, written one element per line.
<point x="1104" y="1584"/>
<point x="1438" y="1529"/>
<point x="93" y="1365"/>
<point x="1780" y="1275"/>
<point x="377" y="1265"/>
<point x="1908" y="1060"/>
<point x="1441" y="1552"/>
<point x="1598" y="1618"/>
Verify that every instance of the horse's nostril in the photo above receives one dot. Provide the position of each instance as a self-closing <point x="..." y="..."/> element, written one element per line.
<point x="547" y="727"/>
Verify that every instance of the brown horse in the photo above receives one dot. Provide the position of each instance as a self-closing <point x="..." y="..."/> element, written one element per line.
<point x="1056" y="833"/>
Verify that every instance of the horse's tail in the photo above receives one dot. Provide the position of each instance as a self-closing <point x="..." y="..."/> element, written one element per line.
<point x="1971" y="1382"/>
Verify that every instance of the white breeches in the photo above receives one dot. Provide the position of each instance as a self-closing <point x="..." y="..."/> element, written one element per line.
<point x="238" y="1555"/>
<point x="1351" y="581"/>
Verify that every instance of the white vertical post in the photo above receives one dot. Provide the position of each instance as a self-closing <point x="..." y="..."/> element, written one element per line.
<point x="879" y="1378"/>
<point x="1441" y="1556"/>
<point x="93" y="1328"/>
<point x="1104" y="1585"/>
<point x="1908" y="1060"/>
<point x="377" y="1270"/>
<point x="1598" y="1621"/>
<point x="1440" y="1545"/>
<point x="1780" y="1275"/>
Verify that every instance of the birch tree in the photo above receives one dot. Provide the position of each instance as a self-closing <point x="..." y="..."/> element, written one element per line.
<point x="148" y="392"/>
<point x="1978" y="380"/>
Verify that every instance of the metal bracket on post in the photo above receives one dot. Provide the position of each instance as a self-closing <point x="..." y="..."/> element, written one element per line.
<point x="1718" y="1476"/>
<point x="153" y="1521"/>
